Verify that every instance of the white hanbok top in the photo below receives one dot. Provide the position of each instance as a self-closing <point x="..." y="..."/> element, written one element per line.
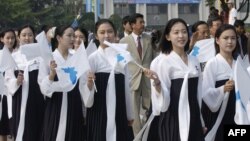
<point x="216" y="69"/>
<point x="103" y="60"/>
<point x="173" y="67"/>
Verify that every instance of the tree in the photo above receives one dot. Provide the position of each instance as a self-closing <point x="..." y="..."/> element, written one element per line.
<point x="210" y="3"/>
<point x="14" y="10"/>
<point x="117" y="20"/>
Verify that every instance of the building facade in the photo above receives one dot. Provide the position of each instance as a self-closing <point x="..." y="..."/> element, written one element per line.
<point x="157" y="12"/>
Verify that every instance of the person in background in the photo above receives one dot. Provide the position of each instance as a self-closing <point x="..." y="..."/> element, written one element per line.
<point x="200" y="31"/>
<point x="81" y="34"/>
<point x="107" y="72"/>
<point x="140" y="48"/>
<point x="127" y="29"/>
<point x="232" y="12"/>
<point x="214" y="22"/>
<point x="7" y="38"/>
<point x="156" y="35"/>
<point x="48" y="32"/>
<point x="241" y="37"/>
<point x="57" y="102"/>
<point x="218" y="83"/>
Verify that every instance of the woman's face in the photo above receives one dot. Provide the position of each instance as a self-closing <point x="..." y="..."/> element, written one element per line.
<point x="67" y="39"/>
<point x="105" y="32"/>
<point x="178" y="35"/>
<point x="9" y="39"/>
<point x="79" y="38"/>
<point x="26" y="36"/>
<point x="227" y="41"/>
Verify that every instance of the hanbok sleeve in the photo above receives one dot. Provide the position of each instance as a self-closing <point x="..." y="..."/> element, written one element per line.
<point x="86" y="94"/>
<point x="212" y="96"/>
<point x="161" y="101"/>
<point x="11" y="82"/>
<point x="43" y="79"/>
<point x="129" y="108"/>
<point x="47" y="86"/>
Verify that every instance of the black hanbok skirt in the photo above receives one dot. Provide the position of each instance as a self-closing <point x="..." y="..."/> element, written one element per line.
<point x="34" y="110"/>
<point x="75" y="120"/>
<point x="169" y="121"/>
<point x="97" y="115"/>
<point x="4" y="122"/>
<point x="211" y="117"/>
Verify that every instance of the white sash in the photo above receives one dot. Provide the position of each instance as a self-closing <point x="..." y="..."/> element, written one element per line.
<point x="184" y="110"/>
<point x="63" y="118"/>
<point x="143" y="134"/>
<point x="212" y="133"/>
<point x="25" y="92"/>
<point x="111" y="104"/>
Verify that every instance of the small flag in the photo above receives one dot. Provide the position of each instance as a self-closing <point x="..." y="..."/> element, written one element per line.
<point x="91" y="47"/>
<point x="45" y="49"/>
<point x="6" y="60"/>
<point x="123" y="56"/>
<point x="75" y="24"/>
<point x="69" y="73"/>
<point x="203" y="50"/>
<point x="31" y="51"/>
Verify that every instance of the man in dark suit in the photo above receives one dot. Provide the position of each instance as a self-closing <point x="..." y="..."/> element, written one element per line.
<point x="140" y="47"/>
<point x="127" y="29"/>
<point x="242" y="38"/>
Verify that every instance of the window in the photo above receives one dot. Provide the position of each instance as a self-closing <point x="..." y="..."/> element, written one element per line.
<point x="188" y="8"/>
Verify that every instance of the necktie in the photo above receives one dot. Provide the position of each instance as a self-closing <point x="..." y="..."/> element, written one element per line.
<point x="139" y="48"/>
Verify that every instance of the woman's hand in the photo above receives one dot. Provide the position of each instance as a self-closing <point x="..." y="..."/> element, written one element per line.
<point x="130" y="122"/>
<point x="229" y="85"/>
<point x="20" y="78"/>
<point x="91" y="79"/>
<point x="153" y="75"/>
<point x="53" y="66"/>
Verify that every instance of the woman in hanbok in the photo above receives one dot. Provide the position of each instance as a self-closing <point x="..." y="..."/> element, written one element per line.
<point x="63" y="117"/>
<point x="27" y="99"/>
<point x="176" y="95"/>
<point x="81" y="35"/>
<point x="218" y="108"/>
<point x="153" y="134"/>
<point x="109" y="108"/>
<point x="8" y="39"/>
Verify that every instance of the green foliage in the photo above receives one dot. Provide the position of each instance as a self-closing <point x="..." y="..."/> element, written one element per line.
<point x="14" y="10"/>
<point x="210" y="3"/>
<point x="87" y="21"/>
<point x="117" y="20"/>
<point x="15" y="13"/>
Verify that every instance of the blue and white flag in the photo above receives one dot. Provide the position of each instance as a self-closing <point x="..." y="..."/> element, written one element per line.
<point x="69" y="73"/>
<point x="242" y="89"/>
<point x="204" y="50"/>
<point x="75" y="24"/>
<point x="44" y="48"/>
<point x="91" y="47"/>
<point x="6" y="60"/>
<point x="123" y="56"/>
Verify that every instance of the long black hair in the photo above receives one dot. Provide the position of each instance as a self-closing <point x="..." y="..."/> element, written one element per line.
<point x="58" y="32"/>
<point x="218" y="33"/>
<point x="166" y="46"/>
<point x="2" y="34"/>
